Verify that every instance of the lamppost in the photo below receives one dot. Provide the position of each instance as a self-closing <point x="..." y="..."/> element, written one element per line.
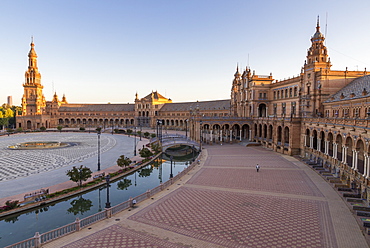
<point x="112" y="126"/>
<point x="99" y="133"/>
<point x="140" y="129"/>
<point x="200" y="134"/>
<point x="135" y="142"/>
<point x="107" y="204"/>
<point x="186" y="128"/>
<point x="171" y="175"/>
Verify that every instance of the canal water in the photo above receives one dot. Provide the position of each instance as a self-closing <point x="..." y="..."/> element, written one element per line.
<point x="19" y="227"/>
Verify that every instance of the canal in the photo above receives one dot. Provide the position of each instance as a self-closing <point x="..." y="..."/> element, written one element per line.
<point x="22" y="226"/>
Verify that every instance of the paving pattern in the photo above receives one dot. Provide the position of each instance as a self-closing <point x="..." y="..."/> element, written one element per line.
<point x="227" y="203"/>
<point x="241" y="220"/>
<point x="117" y="236"/>
<point x="22" y="163"/>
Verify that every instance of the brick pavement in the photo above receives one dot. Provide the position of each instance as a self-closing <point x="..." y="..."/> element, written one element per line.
<point x="226" y="203"/>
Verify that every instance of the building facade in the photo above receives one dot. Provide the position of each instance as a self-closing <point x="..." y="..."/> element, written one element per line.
<point x="321" y="114"/>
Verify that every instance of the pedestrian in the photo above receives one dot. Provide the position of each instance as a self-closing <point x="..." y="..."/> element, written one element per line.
<point x="133" y="203"/>
<point x="257" y="167"/>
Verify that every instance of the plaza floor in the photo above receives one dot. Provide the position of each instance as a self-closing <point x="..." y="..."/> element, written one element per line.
<point x="225" y="202"/>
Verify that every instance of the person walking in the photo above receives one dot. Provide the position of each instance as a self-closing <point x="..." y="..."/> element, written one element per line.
<point x="257" y="167"/>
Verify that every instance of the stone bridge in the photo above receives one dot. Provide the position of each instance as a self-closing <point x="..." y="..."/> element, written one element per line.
<point x="169" y="140"/>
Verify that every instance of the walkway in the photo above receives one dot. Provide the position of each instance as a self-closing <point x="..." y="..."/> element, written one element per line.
<point x="224" y="202"/>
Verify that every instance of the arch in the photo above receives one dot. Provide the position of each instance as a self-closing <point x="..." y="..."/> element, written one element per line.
<point x="339" y="142"/>
<point x="330" y="146"/>
<point x="322" y="141"/>
<point x="314" y="143"/>
<point x="279" y="134"/>
<point x="360" y="147"/>
<point x="29" y="125"/>
<point x="270" y="132"/>
<point x="262" y="110"/>
<point x="286" y="135"/>
<point x="349" y="145"/>
<point x="245" y="131"/>
<point x="307" y="138"/>
<point x="255" y="130"/>
<point x="260" y="130"/>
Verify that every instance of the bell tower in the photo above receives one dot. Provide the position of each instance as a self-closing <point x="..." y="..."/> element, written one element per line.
<point x="317" y="56"/>
<point x="33" y="100"/>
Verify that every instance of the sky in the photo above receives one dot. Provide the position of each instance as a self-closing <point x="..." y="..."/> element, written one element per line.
<point x="187" y="50"/>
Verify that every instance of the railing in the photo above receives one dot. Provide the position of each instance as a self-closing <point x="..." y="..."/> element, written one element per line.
<point x="38" y="240"/>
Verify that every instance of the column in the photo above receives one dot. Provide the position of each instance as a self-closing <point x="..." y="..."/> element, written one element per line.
<point x="211" y="135"/>
<point x="231" y="135"/>
<point x="319" y="144"/>
<point x="335" y="150"/>
<point x="250" y="135"/>
<point x="311" y="141"/>
<point x="221" y="135"/>
<point x="344" y="154"/>
<point x="305" y="139"/>
<point x="326" y="147"/>
<point x="365" y="165"/>
<point x="354" y="159"/>
<point x="240" y="135"/>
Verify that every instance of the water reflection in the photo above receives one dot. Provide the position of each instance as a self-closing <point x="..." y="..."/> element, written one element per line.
<point x="80" y="206"/>
<point x="124" y="184"/>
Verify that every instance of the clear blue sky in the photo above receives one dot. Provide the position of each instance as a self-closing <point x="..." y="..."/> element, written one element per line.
<point x="106" y="51"/>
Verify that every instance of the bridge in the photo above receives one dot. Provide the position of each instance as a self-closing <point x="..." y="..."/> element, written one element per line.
<point x="170" y="140"/>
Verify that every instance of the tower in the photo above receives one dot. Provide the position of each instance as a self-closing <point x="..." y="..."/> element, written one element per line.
<point x="315" y="71"/>
<point x="33" y="100"/>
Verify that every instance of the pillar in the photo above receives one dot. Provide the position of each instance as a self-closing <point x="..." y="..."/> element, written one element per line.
<point x="240" y="134"/>
<point x="231" y="135"/>
<point x="221" y="135"/>
<point x="335" y="150"/>
<point x="319" y="144"/>
<point x="250" y="135"/>
<point x="354" y="159"/>
<point x="311" y="141"/>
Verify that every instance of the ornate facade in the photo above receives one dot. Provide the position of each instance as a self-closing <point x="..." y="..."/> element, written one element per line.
<point x="321" y="114"/>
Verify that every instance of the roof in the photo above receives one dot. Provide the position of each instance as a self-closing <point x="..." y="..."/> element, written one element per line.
<point x="358" y="88"/>
<point x="96" y="107"/>
<point x="203" y="106"/>
<point x="154" y="95"/>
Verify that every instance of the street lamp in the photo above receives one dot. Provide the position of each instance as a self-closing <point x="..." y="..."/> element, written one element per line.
<point x="171" y="175"/>
<point x="186" y="128"/>
<point x="107" y="204"/>
<point x="200" y="134"/>
<point x="112" y="126"/>
<point x="135" y="142"/>
<point x="99" y="133"/>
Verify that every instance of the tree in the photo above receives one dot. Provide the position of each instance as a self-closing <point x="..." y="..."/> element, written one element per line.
<point x="98" y="129"/>
<point x="79" y="174"/>
<point x="9" y="113"/>
<point x="146" y="134"/>
<point x="80" y="206"/>
<point x="139" y="133"/>
<point x="156" y="147"/>
<point x="145" y="172"/>
<point x="42" y="128"/>
<point x="153" y="135"/>
<point x="60" y="128"/>
<point x="129" y="131"/>
<point x="145" y="153"/>
<point x="123" y="161"/>
<point x="124" y="184"/>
